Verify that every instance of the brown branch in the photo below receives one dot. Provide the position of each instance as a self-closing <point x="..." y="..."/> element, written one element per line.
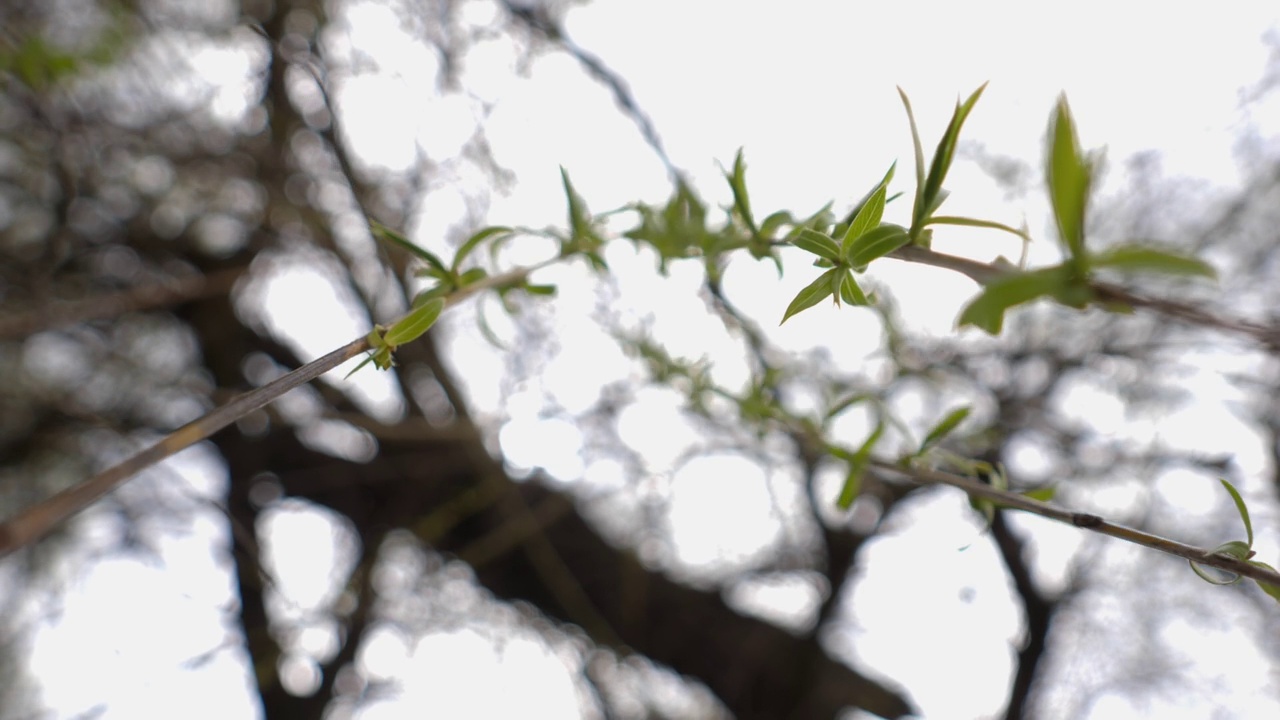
<point x="35" y="522"/>
<point x="1086" y="521"/>
<point x="983" y="273"/>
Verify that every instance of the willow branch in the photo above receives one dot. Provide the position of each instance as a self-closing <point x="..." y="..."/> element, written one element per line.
<point x="983" y="273"/>
<point x="1086" y="521"/>
<point x="38" y="520"/>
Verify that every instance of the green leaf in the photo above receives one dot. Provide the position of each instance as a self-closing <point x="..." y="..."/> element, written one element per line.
<point x="847" y="402"/>
<point x="383" y="232"/>
<point x="858" y="466"/>
<point x="775" y="221"/>
<point x="1240" y="508"/>
<point x="869" y="212"/>
<point x="974" y="222"/>
<point x="473" y="275"/>
<point x="539" y="289"/>
<point x="1069" y="174"/>
<point x="817" y="243"/>
<point x="932" y="195"/>
<point x="987" y="310"/>
<point x="944" y="428"/>
<point x="919" y="150"/>
<point x="811" y="295"/>
<point x="579" y="222"/>
<point x="1268" y="588"/>
<point x="474" y="241"/>
<point x="1228" y="579"/>
<point x="413" y="325"/>
<point x="867" y="219"/>
<point x="876" y="244"/>
<point x="364" y="362"/>
<point x="741" y="201"/>
<point x="837" y="284"/>
<point x="1044" y="494"/>
<point x="436" y="291"/>
<point x="850" y="292"/>
<point x="1138" y="258"/>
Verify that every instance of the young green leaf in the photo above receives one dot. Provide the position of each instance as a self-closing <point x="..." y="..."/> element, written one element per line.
<point x="431" y="293"/>
<point x="383" y="232"/>
<point x="412" y="326"/>
<point x="858" y="466"/>
<point x="1268" y="588"/>
<point x="1043" y="494"/>
<point x="811" y="295"/>
<point x="1240" y="550"/>
<point x="850" y="292"/>
<point x="539" y="289"/>
<point x="1069" y="175"/>
<point x="919" y="152"/>
<point x="867" y="219"/>
<point x="775" y="221"/>
<point x="987" y="310"/>
<point x="473" y="275"/>
<point x="579" y="221"/>
<point x="817" y="243"/>
<point x="1240" y="508"/>
<point x="474" y="241"/>
<point x="932" y="196"/>
<point x="1137" y="258"/>
<point x="741" y="201"/>
<point x="944" y="428"/>
<point x="974" y="222"/>
<point x="364" y="362"/>
<point x="877" y="243"/>
<point x="869" y="211"/>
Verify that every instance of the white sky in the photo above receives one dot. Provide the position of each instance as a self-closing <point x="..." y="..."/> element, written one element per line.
<point x="809" y="92"/>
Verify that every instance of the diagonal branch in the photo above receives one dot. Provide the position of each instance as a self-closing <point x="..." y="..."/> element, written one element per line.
<point x="1086" y="521"/>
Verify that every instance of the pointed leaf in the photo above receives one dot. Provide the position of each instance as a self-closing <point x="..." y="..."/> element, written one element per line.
<point x="987" y="310"/>
<point x="944" y="428"/>
<point x="974" y="222"/>
<point x="919" y="152"/>
<point x="579" y="220"/>
<point x="383" y="232"/>
<point x="1148" y="259"/>
<point x="866" y="220"/>
<point x="858" y="466"/>
<point x="364" y="362"/>
<point x="775" y="221"/>
<point x="413" y="325"/>
<point x="876" y="244"/>
<point x="817" y="243"/>
<point x="1044" y="494"/>
<point x="1268" y="588"/>
<point x="851" y="293"/>
<point x="539" y="289"/>
<point x="1240" y="508"/>
<point x="837" y="284"/>
<point x="942" y="158"/>
<point x="474" y="241"/>
<point x="811" y="295"/>
<point x="741" y="201"/>
<point x="1068" y="174"/>
<point x="475" y="274"/>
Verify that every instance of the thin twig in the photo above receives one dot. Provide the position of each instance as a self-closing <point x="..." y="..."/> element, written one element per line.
<point x="35" y="522"/>
<point x="983" y="273"/>
<point x="1086" y="521"/>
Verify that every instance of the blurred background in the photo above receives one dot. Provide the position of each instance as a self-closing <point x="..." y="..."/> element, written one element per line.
<point x="575" y="507"/>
